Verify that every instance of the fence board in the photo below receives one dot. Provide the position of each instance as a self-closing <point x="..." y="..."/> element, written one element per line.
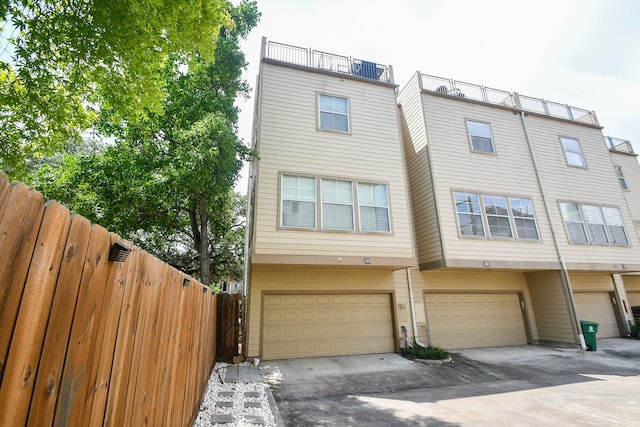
<point x="26" y="345"/>
<point x="76" y="376"/>
<point x="18" y="232"/>
<point x="89" y="341"/>
<point x="113" y="307"/>
<point x="119" y="382"/>
<point x="57" y="337"/>
<point x="4" y="188"/>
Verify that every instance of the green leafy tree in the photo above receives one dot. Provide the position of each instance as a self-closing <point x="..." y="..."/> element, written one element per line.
<point x="167" y="182"/>
<point x="70" y="57"/>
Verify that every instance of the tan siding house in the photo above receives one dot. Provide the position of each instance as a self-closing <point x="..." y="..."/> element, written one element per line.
<point x="521" y="224"/>
<point x="330" y="216"/>
<point x="440" y="213"/>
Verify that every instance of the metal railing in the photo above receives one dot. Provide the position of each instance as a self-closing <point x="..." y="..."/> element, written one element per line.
<point x="317" y="59"/>
<point x="508" y="99"/>
<point x="619" y="145"/>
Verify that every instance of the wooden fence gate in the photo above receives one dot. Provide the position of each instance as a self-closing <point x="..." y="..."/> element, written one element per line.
<point x="229" y="337"/>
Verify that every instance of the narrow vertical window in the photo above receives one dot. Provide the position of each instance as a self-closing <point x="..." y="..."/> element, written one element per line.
<point x="374" y="207"/>
<point x="333" y="113"/>
<point x="573" y="152"/>
<point x="480" y="137"/>
<point x="298" y="201"/>
<point x="615" y="226"/>
<point x="469" y="214"/>
<point x="337" y="205"/>
<point x="524" y="217"/>
<point x="573" y="220"/>
<point x="595" y="224"/>
<point x="621" y="179"/>
<point x="495" y="207"/>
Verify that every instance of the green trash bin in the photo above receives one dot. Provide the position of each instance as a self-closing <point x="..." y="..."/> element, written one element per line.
<point x="589" y="330"/>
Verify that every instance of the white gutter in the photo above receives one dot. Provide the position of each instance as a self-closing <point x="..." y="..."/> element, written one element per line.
<point x="413" y="310"/>
<point x="566" y="283"/>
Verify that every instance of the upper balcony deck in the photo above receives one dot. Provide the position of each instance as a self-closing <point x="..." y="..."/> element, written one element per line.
<point x="307" y="57"/>
<point x="480" y="93"/>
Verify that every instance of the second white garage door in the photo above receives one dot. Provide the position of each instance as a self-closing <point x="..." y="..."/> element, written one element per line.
<point x="475" y="320"/>
<point x="597" y="307"/>
<point x="326" y="325"/>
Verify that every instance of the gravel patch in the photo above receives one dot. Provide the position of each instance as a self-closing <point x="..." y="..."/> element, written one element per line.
<point x="234" y="404"/>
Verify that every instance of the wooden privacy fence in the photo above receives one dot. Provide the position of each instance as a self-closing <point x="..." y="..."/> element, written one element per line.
<point x="85" y="341"/>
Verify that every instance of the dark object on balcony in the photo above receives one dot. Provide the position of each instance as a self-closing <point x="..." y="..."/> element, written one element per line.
<point x="369" y="70"/>
<point x="119" y="252"/>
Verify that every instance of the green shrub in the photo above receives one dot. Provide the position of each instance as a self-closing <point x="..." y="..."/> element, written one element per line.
<point x="418" y="352"/>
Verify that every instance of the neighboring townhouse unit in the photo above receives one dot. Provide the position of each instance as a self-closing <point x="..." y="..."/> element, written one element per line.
<point x="523" y="224"/>
<point x="329" y="217"/>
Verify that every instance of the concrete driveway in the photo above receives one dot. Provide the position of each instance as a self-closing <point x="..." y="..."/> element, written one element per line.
<point x="514" y="386"/>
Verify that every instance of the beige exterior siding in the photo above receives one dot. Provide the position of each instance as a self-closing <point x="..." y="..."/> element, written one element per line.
<point x="597" y="185"/>
<point x="632" y="286"/>
<point x="427" y="230"/>
<point x="552" y="310"/>
<point x="290" y="143"/>
<point x="631" y="171"/>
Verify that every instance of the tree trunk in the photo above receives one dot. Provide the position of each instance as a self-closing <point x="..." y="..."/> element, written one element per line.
<point x="205" y="266"/>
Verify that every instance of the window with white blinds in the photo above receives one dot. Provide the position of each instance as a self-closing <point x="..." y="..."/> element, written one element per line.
<point x="333" y="113"/>
<point x="573" y="152"/>
<point x="340" y="204"/>
<point x="594" y="225"/>
<point x="298" y="201"/>
<point x="337" y="204"/>
<point x="374" y="207"/>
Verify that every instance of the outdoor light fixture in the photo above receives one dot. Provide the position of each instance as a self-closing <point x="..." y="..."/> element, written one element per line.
<point x="185" y="282"/>
<point x="119" y="252"/>
<point x="205" y="289"/>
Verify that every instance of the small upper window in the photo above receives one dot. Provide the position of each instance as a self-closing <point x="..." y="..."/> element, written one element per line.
<point x="621" y="179"/>
<point x="333" y="113"/>
<point x="573" y="152"/>
<point x="480" y="136"/>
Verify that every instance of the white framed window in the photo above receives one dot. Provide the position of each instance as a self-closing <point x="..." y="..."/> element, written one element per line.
<point x="594" y="225"/>
<point x="469" y="214"/>
<point x="621" y="179"/>
<point x="524" y="218"/>
<point x="337" y="205"/>
<point x="480" y="137"/>
<point x="298" y="201"/>
<point x="573" y="152"/>
<point x="333" y="113"/>
<point x="497" y="212"/>
<point x="373" y="204"/>
<point x="499" y="215"/>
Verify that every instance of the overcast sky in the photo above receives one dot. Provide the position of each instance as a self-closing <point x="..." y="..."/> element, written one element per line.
<point x="583" y="53"/>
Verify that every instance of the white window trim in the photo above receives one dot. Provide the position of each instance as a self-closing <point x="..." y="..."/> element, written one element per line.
<point x="319" y="208"/>
<point x="320" y="111"/>
<point x="470" y="136"/>
<point x="485" y="222"/>
<point x="323" y="203"/>
<point x="581" y="152"/>
<point x="586" y="228"/>
<point x="621" y="178"/>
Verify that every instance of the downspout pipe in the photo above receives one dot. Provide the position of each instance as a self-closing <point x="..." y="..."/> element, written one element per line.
<point x="566" y="283"/>
<point x="413" y="310"/>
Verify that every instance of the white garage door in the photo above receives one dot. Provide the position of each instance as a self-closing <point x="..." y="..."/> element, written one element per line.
<point x="597" y="307"/>
<point x="475" y="320"/>
<point x="326" y="325"/>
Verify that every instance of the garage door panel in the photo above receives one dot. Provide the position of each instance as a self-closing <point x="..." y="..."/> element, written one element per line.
<point x="634" y="298"/>
<point x="597" y="307"/>
<point x="322" y="325"/>
<point x="475" y="320"/>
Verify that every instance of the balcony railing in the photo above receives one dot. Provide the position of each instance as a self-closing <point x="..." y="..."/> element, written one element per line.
<point x="619" y="145"/>
<point x="508" y="99"/>
<point x="327" y="61"/>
